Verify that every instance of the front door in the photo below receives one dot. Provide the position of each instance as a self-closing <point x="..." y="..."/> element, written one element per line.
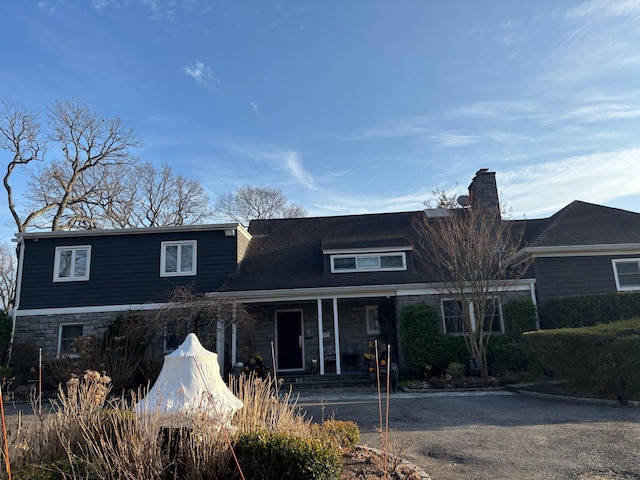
<point x="289" y="336"/>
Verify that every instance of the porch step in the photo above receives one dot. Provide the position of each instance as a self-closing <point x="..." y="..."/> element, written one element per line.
<point x="329" y="380"/>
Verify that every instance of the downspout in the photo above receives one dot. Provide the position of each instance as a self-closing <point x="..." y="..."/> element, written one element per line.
<point x="320" y="337"/>
<point x="234" y="336"/>
<point x="16" y="303"/>
<point x="535" y="304"/>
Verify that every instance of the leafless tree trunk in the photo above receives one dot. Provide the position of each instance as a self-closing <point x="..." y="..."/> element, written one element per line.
<point x="468" y="251"/>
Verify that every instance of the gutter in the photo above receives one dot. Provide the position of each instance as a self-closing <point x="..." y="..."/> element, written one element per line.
<point x="577" y="250"/>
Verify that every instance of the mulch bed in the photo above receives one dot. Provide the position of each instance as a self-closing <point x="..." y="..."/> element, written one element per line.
<point x="366" y="464"/>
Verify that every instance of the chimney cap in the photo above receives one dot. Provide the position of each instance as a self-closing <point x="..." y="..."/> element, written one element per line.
<point x="482" y="171"/>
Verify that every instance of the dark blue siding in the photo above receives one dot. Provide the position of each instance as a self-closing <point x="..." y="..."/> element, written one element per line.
<point x="566" y="276"/>
<point x="125" y="269"/>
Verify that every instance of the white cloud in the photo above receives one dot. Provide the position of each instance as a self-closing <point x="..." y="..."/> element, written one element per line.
<point x="599" y="8"/>
<point x="255" y="108"/>
<point x="540" y="190"/>
<point x="452" y="139"/>
<point x="283" y="159"/>
<point x="404" y="127"/>
<point x="102" y="4"/>
<point x="202" y="74"/>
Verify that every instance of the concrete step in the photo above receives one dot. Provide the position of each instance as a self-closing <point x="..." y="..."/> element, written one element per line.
<point x="329" y="380"/>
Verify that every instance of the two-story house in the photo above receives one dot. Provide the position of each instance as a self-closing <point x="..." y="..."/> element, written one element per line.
<point x="320" y="288"/>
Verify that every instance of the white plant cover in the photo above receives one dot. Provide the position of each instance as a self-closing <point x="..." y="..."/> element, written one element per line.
<point x="189" y="386"/>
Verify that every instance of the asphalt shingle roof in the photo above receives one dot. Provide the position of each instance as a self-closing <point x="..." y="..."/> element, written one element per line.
<point x="582" y="223"/>
<point x="288" y="253"/>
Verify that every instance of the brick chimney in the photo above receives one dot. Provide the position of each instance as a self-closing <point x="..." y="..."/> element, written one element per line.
<point x="484" y="192"/>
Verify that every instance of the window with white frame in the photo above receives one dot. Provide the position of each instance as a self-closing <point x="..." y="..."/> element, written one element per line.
<point x="368" y="262"/>
<point x="67" y="336"/>
<point x="454" y="323"/>
<point x="373" y="323"/>
<point x="72" y="263"/>
<point x="178" y="258"/>
<point x="627" y="273"/>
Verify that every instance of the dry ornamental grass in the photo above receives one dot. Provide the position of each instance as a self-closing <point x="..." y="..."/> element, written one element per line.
<point x="87" y="431"/>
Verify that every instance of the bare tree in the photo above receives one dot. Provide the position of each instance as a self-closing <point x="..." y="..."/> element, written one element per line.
<point x="190" y="312"/>
<point x="86" y="145"/>
<point x="7" y="275"/>
<point x="88" y="142"/>
<point x="21" y="136"/>
<point x="255" y="203"/>
<point x="92" y="180"/>
<point x="155" y="197"/>
<point x="469" y="250"/>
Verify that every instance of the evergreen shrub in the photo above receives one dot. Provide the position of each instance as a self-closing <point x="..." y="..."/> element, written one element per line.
<point x="602" y="358"/>
<point x="275" y="455"/>
<point x="424" y="343"/>
<point x="345" y="434"/>
<point x="586" y="310"/>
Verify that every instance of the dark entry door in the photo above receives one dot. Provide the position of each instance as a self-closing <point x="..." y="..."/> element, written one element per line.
<point x="289" y="326"/>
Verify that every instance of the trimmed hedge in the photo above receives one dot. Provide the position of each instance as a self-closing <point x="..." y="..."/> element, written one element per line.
<point x="345" y="434"/>
<point x="603" y="358"/>
<point x="587" y="310"/>
<point x="273" y="455"/>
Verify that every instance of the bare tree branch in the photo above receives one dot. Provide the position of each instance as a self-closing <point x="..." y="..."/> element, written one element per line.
<point x="20" y="134"/>
<point x="7" y="275"/>
<point x="255" y="203"/>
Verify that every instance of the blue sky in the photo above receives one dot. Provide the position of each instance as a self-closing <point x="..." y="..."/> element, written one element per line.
<point x="352" y="106"/>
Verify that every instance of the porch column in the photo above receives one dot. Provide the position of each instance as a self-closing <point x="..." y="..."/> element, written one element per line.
<point x="220" y="346"/>
<point x="336" y="335"/>
<point x="320" y="338"/>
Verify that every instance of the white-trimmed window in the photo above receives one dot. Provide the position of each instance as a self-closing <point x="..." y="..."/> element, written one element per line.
<point x="368" y="262"/>
<point x="67" y="335"/>
<point x="72" y="263"/>
<point x="371" y="316"/>
<point x="627" y="273"/>
<point x="453" y="322"/>
<point x="178" y="258"/>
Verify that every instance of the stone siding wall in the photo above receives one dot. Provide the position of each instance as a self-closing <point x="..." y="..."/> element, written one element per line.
<point x="42" y="331"/>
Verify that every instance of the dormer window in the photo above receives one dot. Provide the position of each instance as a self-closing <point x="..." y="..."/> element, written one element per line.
<point x="369" y="262"/>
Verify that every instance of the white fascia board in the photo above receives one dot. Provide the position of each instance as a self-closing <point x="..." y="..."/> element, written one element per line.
<point x="578" y="250"/>
<point x="92" y="309"/>
<point x="323" y="293"/>
<point x="284" y="295"/>
<point x="133" y="231"/>
<point x="357" y="251"/>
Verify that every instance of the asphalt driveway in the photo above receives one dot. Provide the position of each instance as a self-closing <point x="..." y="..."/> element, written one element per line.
<point x="494" y="435"/>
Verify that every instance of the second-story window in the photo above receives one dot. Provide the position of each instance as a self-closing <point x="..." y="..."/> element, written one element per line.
<point x="178" y="258"/>
<point x="72" y="263"/>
